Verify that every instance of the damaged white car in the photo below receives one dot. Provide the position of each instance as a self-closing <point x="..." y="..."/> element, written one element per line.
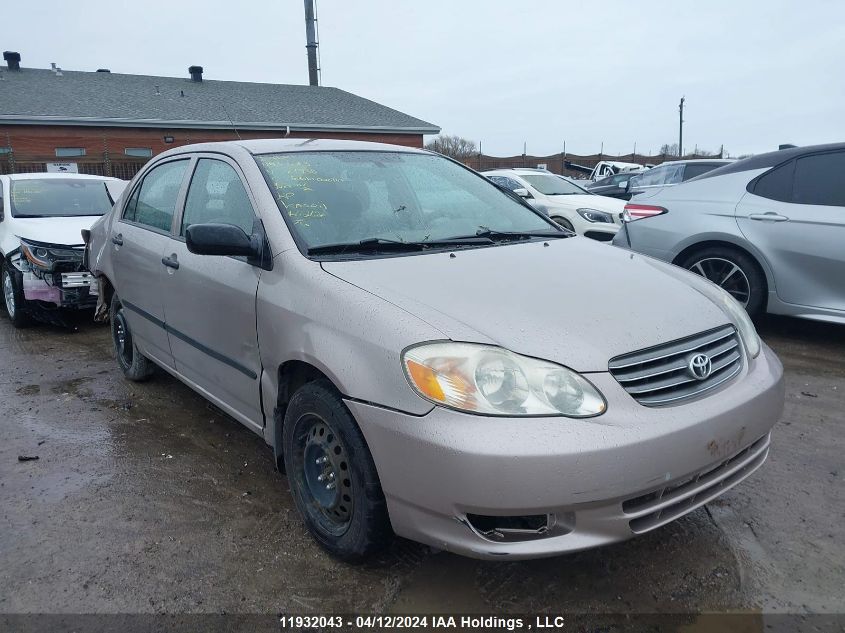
<point x="42" y="217"/>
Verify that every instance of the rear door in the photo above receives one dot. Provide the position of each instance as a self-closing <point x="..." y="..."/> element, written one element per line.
<point x="210" y="300"/>
<point x="139" y="239"/>
<point x="795" y="214"/>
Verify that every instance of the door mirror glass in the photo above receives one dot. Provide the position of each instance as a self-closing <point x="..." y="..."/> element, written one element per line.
<point x="220" y="239"/>
<point x="522" y="192"/>
<point x="624" y="184"/>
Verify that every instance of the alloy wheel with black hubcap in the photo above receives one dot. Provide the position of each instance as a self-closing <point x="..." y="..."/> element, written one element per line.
<point x="733" y="271"/>
<point x="332" y="475"/>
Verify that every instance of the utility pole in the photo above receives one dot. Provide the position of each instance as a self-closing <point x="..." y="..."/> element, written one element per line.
<point x="681" y="129"/>
<point x="311" y="43"/>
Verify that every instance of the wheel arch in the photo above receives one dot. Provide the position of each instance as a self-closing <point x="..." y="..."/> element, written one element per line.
<point x="291" y="375"/>
<point x="755" y="256"/>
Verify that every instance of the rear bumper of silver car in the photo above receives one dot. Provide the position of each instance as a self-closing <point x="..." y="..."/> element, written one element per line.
<point x="533" y="487"/>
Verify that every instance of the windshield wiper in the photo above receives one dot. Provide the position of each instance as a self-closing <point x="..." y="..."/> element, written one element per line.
<point x="516" y="235"/>
<point x="384" y="244"/>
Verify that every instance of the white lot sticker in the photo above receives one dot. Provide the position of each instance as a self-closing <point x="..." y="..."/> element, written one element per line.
<point x="62" y="168"/>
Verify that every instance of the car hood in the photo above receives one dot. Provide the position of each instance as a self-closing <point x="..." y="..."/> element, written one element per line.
<point x="60" y="231"/>
<point x="575" y="301"/>
<point x="586" y="201"/>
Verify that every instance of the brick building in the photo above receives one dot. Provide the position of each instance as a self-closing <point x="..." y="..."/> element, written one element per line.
<point x="111" y="124"/>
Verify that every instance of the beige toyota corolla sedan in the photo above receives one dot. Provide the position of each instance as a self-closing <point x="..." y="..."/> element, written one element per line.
<point x="426" y="354"/>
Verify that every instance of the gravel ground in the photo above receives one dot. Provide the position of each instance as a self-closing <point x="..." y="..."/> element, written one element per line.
<point x="145" y="499"/>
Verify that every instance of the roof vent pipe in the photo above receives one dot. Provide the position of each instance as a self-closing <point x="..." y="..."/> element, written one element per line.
<point x="13" y="59"/>
<point x="196" y="73"/>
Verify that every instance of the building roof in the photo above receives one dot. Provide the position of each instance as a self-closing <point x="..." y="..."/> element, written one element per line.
<point x="36" y="96"/>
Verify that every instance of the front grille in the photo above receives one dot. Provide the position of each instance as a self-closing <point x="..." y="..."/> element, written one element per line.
<point x="663" y="375"/>
<point x="666" y="504"/>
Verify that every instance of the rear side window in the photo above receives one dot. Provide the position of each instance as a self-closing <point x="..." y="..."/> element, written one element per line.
<point x="820" y="179"/>
<point x="153" y="204"/>
<point x="777" y="183"/>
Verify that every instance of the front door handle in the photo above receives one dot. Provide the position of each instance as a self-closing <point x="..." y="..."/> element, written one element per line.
<point x="768" y="217"/>
<point x="117" y="239"/>
<point x="170" y="262"/>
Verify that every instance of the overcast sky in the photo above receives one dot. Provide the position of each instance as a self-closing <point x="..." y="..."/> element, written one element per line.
<point x="755" y="74"/>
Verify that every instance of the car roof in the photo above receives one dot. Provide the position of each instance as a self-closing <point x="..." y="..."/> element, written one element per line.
<point x="771" y="159"/>
<point x="276" y="145"/>
<point x="64" y="176"/>
<point x="528" y="171"/>
<point x="698" y="161"/>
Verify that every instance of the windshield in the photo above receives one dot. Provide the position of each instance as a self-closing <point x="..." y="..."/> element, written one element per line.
<point x="58" y="197"/>
<point x="346" y="197"/>
<point x="552" y="185"/>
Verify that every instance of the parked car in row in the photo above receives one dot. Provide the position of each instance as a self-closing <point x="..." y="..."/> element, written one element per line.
<point x="566" y="203"/>
<point x="671" y="173"/>
<point x="615" y="186"/>
<point x="426" y="354"/>
<point x="41" y="216"/>
<point x="769" y="229"/>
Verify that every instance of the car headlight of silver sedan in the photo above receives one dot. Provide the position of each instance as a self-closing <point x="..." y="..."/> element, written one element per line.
<point x="594" y="215"/>
<point x="747" y="331"/>
<point x="489" y="380"/>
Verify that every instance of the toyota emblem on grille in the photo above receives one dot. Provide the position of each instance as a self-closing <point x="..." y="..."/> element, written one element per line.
<point x="700" y="366"/>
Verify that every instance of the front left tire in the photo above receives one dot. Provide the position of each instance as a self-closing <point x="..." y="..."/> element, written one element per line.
<point x="11" y="280"/>
<point x="332" y="476"/>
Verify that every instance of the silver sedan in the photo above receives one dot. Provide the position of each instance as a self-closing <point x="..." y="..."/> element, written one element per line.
<point x="428" y="355"/>
<point x="769" y="230"/>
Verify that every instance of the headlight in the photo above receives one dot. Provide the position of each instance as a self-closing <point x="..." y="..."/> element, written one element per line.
<point x="45" y="256"/>
<point x="489" y="380"/>
<point x="746" y="328"/>
<point x="592" y="215"/>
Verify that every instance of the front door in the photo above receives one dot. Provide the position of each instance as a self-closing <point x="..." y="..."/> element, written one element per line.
<point x="796" y="216"/>
<point x="139" y="239"/>
<point x="210" y="300"/>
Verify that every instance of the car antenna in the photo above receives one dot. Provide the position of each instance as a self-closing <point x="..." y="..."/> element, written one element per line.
<point x="226" y="112"/>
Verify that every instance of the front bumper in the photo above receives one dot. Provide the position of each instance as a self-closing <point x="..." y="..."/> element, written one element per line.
<point x="599" y="480"/>
<point x="601" y="231"/>
<point x="65" y="290"/>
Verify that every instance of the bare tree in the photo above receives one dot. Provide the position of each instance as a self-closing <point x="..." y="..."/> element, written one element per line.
<point x="455" y="147"/>
<point x="669" y="150"/>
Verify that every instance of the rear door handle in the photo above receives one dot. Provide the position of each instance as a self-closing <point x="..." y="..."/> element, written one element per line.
<point x="768" y="217"/>
<point x="117" y="239"/>
<point x="170" y="262"/>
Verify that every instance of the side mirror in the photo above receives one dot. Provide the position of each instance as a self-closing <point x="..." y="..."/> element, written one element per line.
<point x="522" y="192"/>
<point x="624" y="184"/>
<point x="220" y="239"/>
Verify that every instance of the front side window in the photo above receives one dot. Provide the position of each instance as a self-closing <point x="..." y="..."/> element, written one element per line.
<point x="217" y="196"/>
<point x="154" y="202"/>
<point x="552" y="185"/>
<point x="820" y="180"/>
<point x="346" y="197"/>
<point x="58" y="197"/>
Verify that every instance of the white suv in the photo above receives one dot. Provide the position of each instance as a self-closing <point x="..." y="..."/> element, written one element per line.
<point x="41" y="221"/>
<point x="563" y="201"/>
